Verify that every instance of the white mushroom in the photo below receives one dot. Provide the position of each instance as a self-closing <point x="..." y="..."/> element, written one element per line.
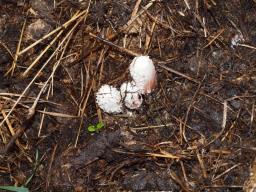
<point x="143" y="73"/>
<point x="109" y="99"/>
<point x="131" y="95"/>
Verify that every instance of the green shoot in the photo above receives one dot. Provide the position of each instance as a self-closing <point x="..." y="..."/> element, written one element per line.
<point x="13" y="188"/>
<point x="95" y="128"/>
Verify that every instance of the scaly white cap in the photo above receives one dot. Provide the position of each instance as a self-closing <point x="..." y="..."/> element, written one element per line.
<point x="143" y="73"/>
<point x="109" y="99"/>
<point x="131" y="95"/>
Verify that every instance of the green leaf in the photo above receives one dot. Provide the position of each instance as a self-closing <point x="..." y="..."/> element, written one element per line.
<point x="91" y="128"/>
<point x="13" y="188"/>
<point x="99" y="125"/>
<point x="37" y="155"/>
<point x="28" y="180"/>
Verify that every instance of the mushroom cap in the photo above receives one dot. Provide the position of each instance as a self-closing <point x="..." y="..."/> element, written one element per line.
<point x="143" y="73"/>
<point x="109" y="99"/>
<point x="131" y="95"/>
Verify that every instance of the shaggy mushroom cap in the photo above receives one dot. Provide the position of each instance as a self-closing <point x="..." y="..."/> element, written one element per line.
<point x="109" y="99"/>
<point x="131" y="95"/>
<point x="143" y="73"/>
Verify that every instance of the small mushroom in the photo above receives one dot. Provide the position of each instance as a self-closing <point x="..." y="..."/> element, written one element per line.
<point x="131" y="95"/>
<point x="109" y="99"/>
<point x="143" y="73"/>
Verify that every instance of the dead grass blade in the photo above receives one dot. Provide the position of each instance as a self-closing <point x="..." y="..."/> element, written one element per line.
<point x="224" y="122"/>
<point x="10" y="127"/>
<point x="69" y="34"/>
<point x="15" y="59"/>
<point x="25" y="73"/>
<point x="7" y="49"/>
<point x="163" y="154"/>
<point x="64" y="26"/>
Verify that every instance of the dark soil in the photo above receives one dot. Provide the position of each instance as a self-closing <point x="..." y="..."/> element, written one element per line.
<point x="195" y="132"/>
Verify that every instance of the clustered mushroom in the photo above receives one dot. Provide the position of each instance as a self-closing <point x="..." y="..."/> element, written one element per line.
<point x="132" y="96"/>
<point x="143" y="73"/>
<point x="144" y="80"/>
<point x="109" y="99"/>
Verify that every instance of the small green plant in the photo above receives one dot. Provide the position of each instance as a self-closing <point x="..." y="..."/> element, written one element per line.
<point x="23" y="187"/>
<point x="95" y="128"/>
<point x="36" y="165"/>
<point x="13" y="188"/>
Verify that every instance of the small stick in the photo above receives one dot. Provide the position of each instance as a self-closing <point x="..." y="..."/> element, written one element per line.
<point x="151" y="127"/>
<point x="122" y="49"/>
<point x="247" y="46"/>
<point x="214" y="38"/>
<point x="179" y="73"/>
